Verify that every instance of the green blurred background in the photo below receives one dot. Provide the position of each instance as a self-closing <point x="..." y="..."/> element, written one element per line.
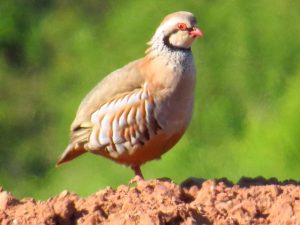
<point x="247" y="113"/>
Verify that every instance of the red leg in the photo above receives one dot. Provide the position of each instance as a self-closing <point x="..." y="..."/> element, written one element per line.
<point x="137" y="172"/>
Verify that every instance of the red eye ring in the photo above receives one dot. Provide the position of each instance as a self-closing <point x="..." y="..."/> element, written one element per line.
<point x="181" y="26"/>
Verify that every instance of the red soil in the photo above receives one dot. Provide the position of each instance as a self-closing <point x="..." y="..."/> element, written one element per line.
<point x="195" y="201"/>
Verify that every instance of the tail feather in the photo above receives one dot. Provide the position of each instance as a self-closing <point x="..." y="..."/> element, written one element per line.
<point x="76" y="147"/>
<point x="70" y="153"/>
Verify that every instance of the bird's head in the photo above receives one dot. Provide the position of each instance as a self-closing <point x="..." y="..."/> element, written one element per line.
<point x="177" y="31"/>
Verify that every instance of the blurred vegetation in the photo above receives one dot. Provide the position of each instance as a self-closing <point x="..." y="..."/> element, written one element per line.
<point x="246" y="120"/>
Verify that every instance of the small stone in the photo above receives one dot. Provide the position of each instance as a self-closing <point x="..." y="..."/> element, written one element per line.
<point x="5" y="197"/>
<point x="63" y="194"/>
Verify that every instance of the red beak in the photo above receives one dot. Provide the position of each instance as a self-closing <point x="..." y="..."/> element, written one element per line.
<point x="196" y="32"/>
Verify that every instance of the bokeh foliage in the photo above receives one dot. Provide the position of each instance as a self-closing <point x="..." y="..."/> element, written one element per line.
<point x="246" y="120"/>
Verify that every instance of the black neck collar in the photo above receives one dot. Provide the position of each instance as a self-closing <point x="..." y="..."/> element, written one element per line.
<point x="167" y="43"/>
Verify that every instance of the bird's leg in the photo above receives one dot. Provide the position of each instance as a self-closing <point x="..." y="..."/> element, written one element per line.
<point x="138" y="174"/>
<point x="137" y="171"/>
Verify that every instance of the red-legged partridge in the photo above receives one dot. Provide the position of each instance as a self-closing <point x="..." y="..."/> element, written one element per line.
<point x="140" y="111"/>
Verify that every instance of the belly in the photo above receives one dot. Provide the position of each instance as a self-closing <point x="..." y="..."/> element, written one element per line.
<point x="153" y="149"/>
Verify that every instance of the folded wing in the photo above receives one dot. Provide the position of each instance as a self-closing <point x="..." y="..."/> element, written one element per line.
<point x="124" y="123"/>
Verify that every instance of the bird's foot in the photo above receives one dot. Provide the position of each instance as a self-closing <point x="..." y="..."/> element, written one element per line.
<point x="136" y="180"/>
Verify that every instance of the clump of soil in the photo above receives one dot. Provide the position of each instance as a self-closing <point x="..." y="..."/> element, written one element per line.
<point x="195" y="201"/>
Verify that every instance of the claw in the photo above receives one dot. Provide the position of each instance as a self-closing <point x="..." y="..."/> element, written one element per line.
<point x="136" y="180"/>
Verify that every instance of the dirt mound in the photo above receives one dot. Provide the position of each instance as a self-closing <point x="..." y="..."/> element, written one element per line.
<point x="195" y="201"/>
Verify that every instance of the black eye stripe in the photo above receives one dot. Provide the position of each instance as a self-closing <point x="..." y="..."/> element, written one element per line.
<point x="188" y="29"/>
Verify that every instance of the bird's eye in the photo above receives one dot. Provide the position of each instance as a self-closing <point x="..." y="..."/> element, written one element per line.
<point x="181" y="26"/>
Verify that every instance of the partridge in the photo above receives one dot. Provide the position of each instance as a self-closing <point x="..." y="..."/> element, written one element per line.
<point x="138" y="112"/>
